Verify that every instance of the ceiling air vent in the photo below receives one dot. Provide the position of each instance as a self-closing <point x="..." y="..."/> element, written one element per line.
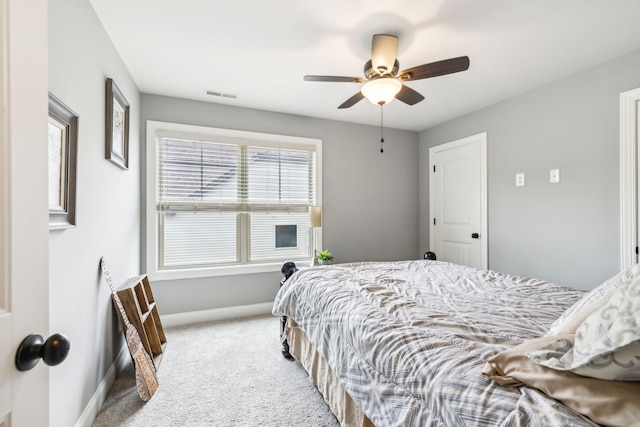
<point x="222" y="94"/>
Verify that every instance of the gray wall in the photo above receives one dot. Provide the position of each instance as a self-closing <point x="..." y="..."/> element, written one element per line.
<point x="81" y="57"/>
<point x="567" y="232"/>
<point x="370" y="203"/>
<point x="370" y="200"/>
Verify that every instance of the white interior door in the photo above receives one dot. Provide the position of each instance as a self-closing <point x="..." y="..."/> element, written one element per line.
<point x="458" y="201"/>
<point x="24" y="234"/>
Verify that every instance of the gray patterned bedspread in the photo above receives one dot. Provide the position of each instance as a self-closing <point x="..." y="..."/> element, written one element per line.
<point x="408" y="339"/>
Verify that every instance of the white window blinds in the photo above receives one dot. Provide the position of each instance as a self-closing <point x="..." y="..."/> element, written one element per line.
<point x="237" y="202"/>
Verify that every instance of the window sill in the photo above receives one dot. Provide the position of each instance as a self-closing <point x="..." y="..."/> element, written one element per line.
<point x="194" y="273"/>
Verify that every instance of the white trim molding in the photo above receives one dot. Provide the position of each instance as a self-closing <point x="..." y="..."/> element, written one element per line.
<point x="168" y="320"/>
<point x="224" y="313"/>
<point x="629" y="116"/>
<point x="156" y="129"/>
<point x="92" y="409"/>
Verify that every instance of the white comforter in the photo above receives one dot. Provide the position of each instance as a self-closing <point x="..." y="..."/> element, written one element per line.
<point x="408" y="340"/>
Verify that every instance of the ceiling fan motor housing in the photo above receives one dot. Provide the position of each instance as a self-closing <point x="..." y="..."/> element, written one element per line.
<point x="371" y="74"/>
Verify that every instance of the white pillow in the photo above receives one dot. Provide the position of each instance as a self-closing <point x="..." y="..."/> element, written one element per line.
<point x="569" y="321"/>
<point x="606" y="344"/>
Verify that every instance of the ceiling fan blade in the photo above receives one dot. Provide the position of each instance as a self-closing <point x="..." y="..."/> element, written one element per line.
<point x="384" y="49"/>
<point x="409" y="96"/>
<point x="435" y="69"/>
<point x="333" y="79"/>
<point x="353" y="100"/>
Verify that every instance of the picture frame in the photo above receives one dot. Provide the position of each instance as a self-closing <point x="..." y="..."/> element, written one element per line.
<point x="117" y="126"/>
<point x="63" y="150"/>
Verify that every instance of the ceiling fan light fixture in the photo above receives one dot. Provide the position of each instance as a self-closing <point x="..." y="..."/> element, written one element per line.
<point x="381" y="91"/>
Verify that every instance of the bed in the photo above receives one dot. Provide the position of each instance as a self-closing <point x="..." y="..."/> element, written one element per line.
<point x="429" y="343"/>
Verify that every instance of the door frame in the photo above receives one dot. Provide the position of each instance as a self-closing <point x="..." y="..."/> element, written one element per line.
<point x="6" y="317"/>
<point x="629" y="117"/>
<point x="24" y="217"/>
<point x="480" y="138"/>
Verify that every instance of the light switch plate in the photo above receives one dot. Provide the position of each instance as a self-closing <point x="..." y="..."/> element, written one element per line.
<point x="520" y="180"/>
<point x="554" y="176"/>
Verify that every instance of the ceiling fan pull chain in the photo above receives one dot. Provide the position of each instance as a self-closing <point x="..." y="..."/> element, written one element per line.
<point x="381" y="136"/>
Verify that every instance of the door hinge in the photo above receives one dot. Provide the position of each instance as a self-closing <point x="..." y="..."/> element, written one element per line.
<point x="434" y="168"/>
<point x="636" y="250"/>
<point x="434" y="221"/>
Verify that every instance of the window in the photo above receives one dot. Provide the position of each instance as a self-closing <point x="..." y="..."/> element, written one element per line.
<point x="286" y="236"/>
<point x="224" y="202"/>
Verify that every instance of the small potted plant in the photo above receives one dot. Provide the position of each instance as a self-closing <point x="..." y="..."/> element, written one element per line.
<point x="324" y="257"/>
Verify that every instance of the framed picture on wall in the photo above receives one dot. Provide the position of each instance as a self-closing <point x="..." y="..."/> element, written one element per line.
<point x="117" y="126"/>
<point x="63" y="148"/>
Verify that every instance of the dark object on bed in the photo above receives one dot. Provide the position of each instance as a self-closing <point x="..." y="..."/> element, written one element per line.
<point x="409" y="342"/>
<point x="430" y="256"/>
<point x="287" y="269"/>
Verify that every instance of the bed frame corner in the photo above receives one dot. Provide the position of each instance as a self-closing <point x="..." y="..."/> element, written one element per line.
<point x="287" y="269"/>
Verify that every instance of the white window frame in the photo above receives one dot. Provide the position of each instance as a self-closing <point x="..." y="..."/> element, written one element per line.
<point x="177" y="129"/>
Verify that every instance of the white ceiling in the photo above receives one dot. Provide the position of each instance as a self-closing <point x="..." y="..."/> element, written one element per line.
<point x="260" y="50"/>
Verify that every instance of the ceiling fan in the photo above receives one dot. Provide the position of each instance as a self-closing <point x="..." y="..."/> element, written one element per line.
<point x="382" y="80"/>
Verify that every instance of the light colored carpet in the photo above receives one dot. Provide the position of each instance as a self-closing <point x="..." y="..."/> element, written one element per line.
<point x="225" y="373"/>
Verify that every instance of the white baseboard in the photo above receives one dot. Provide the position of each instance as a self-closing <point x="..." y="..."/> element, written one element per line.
<point x="178" y="319"/>
<point x="191" y="317"/>
<point x="95" y="404"/>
